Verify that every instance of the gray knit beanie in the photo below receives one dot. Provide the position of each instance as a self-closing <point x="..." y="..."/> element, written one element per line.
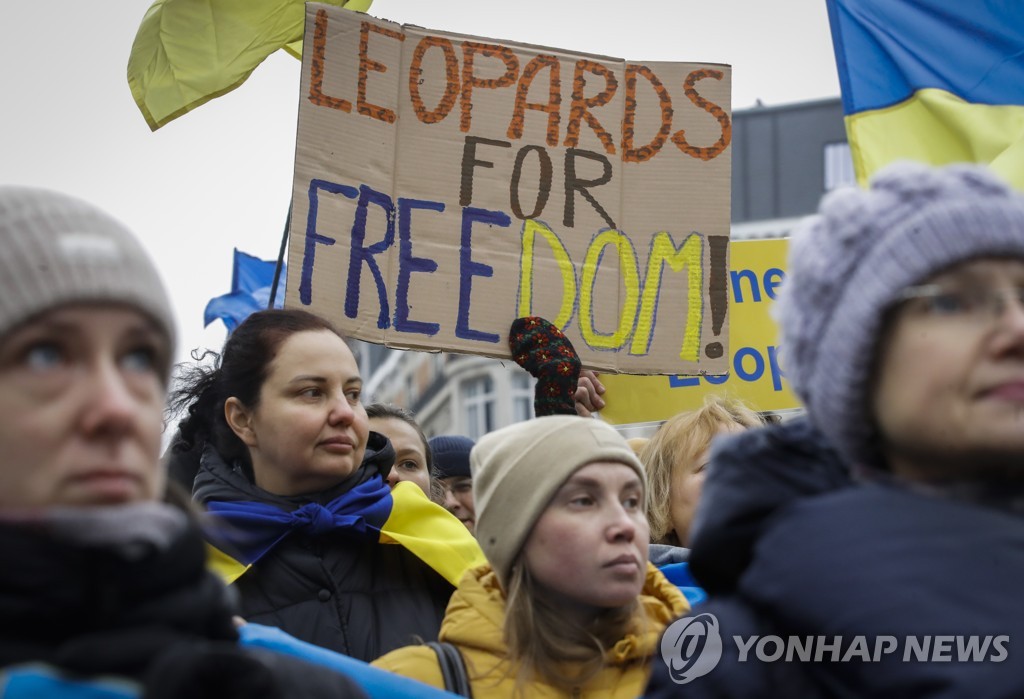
<point x="849" y="263"/>
<point x="519" y="468"/>
<point x="55" y="250"/>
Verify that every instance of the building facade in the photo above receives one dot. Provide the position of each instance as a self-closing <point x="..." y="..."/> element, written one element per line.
<point x="784" y="159"/>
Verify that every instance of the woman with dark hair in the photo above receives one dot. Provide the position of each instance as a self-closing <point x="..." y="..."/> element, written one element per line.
<point x="296" y="478"/>
<point x="413" y="460"/>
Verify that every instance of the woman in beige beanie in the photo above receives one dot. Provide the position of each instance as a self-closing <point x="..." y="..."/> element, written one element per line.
<point x="568" y="604"/>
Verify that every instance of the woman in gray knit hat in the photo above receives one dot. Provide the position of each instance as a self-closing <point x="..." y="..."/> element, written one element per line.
<point x="568" y="605"/>
<point x="104" y="590"/>
<point x="880" y="543"/>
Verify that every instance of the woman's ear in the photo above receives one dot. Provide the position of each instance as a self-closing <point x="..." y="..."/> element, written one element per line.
<point x="239" y="419"/>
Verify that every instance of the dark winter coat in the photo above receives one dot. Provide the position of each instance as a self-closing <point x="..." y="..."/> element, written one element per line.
<point x="91" y="619"/>
<point x="360" y="599"/>
<point x="789" y="546"/>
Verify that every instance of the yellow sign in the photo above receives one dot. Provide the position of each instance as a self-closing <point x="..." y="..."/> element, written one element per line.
<point x="755" y="376"/>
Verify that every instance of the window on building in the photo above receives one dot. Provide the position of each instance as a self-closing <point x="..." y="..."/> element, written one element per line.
<point x="478" y="402"/>
<point x="838" y="166"/>
<point x="522" y="397"/>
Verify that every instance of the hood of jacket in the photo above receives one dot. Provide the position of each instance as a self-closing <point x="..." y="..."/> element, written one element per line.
<point x="476" y="615"/>
<point x="751" y="477"/>
<point x="218" y="480"/>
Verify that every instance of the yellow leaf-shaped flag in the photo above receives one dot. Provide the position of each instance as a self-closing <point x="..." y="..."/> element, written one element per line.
<point x="188" y="52"/>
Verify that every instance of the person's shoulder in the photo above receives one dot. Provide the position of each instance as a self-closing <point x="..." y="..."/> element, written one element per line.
<point x="417" y="662"/>
<point x="721" y="668"/>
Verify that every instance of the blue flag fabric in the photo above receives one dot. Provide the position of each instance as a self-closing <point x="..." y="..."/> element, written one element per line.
<point x="254" y="528"/>
<point x="379" y="684"/>
<point x="251" y="281"/>
<point x="936" y="81"/>
<point x="247" y="531"/>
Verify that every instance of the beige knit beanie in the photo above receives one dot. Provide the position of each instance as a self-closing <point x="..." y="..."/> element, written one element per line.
<point x="519" y="468"/>
<point x="55" y="249"/>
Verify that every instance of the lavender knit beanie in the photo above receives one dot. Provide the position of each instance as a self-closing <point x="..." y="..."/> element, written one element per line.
<point x="849" y="263"/>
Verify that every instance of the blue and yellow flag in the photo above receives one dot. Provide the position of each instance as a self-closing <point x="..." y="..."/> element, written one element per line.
<point x="188" y="52"/>
<point x="936" y="81"/>
<point x="244" y="532"/>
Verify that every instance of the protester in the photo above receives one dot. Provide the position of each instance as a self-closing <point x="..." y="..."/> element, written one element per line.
<point x="104" y="590"/>
<point x="311" y="537"/>
<point x="568" y="604"/>
<point x="902" y="320"/>
<point x="452" y="473"/>
<point x="413" y="459"/>
<point x="676" y="459"/>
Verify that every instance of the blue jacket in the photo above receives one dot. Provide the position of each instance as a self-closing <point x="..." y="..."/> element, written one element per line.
<point x="673" y="562"/>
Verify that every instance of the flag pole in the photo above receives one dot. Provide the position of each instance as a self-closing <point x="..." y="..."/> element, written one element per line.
<point x="280" y="259"/>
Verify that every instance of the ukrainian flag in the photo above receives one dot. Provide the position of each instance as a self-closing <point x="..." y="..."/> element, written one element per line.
<point x="936" y="81"/>
<point x="241" y="532"/>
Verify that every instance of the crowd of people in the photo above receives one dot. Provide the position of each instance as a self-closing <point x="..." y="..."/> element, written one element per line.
<point x="294" y="541"/>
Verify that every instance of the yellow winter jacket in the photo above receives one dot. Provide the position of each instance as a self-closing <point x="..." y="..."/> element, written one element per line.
<point x="474" y="622"/>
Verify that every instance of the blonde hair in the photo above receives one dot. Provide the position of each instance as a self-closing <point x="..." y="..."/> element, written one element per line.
<point x="678" y="442"/>
<point x="542" y="641"/>
<point x="637" y="444"/>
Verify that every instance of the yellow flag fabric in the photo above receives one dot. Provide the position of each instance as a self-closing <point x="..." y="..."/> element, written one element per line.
<point x="431" y="532"/>
<point x="937" y="127"/>
<point x="224" y="566"/>
<point x="187" y="52"/>
<point x="422" y="527"/>
<point x="937" y="81"/>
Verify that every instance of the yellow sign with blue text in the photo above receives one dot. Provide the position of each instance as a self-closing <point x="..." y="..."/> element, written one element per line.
<point x="757" y="268"/>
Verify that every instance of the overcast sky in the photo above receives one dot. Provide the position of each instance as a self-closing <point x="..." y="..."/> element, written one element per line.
<point x="220" y="176"/>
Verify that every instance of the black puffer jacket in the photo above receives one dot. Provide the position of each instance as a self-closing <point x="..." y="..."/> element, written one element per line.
<point x="140" y="616"/>
<point x="359" y="599"/>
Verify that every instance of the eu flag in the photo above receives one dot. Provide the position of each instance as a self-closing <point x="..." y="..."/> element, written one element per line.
<point x="251" y="280"/>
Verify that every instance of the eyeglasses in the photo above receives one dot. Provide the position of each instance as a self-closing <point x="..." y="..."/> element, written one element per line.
<point x="975" y="305"/>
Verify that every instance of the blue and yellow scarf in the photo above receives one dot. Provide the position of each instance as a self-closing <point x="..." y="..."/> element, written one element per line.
<point x="370" y="512"/>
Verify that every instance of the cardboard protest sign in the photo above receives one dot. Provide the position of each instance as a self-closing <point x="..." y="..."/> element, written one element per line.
<point x="755" y="373"/>
<point x="446" y="185"/>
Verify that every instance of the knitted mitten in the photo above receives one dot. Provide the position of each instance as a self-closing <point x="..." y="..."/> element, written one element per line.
<point x="542" y="349"/>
